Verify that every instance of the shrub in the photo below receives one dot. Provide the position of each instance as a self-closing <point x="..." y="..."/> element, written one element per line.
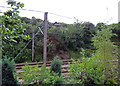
<point x="33" y="75"/>
<point x="56" y="69"/>
<point x="8" y="71"/>
<point x="56" y="66"/>
<point x="87" y="71"/>
<point x="29" y="74"/>
<point x="53" y="79"/>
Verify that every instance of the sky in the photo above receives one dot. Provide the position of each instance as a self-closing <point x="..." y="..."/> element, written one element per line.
<point x="93" y="11"/>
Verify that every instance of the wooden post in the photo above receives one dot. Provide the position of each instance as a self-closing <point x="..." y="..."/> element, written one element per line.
<point x="118" y="44"/>
<point x="45" y="39"/>
<point x="32" y="45"/>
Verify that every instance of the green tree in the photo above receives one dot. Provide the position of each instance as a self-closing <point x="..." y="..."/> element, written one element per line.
<point x="104" y="49"/>
<point x="12" y="30"/>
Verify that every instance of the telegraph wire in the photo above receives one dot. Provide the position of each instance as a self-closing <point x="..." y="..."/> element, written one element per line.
<point x="39" y="28"/>
<point x="40" y="11"/>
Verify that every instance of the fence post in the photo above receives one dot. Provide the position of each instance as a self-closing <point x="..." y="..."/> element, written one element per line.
<point x="45" y="39"/>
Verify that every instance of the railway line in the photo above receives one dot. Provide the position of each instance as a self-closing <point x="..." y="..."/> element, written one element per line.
<point x="65" y="66"/>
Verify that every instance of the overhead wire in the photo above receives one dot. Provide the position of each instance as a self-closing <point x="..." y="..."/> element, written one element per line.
<point x="39" y="27"/>
<point x="41" y="12"/>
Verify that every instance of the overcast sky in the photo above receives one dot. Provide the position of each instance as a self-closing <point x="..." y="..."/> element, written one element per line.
<point x="94" y="11"/>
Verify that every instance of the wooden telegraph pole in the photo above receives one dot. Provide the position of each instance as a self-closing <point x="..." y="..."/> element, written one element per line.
<point x="32" y="45"/>
<point x="45" y="38"/>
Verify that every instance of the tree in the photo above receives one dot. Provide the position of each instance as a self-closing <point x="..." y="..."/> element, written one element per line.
<point x="104" y="48"/>
<point x="12" y="30"/>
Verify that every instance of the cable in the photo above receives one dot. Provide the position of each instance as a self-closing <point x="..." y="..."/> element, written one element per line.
<point x="41" y="12"/>
<point x="29" y="41"/>
<point x="32" y="10"/>
<point x="23" y="9"/>
<point x="60" y="15"/>
<point x="4" y="7"/>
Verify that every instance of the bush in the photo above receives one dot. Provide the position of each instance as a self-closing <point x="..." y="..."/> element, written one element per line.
<point x="87" y="71"/>
<point x="8" y="71"/>
<point x="56" y="66"/>
<point x="33" y="75"/>
<point x="29" y="74"/>
<point x="53" y="79"/>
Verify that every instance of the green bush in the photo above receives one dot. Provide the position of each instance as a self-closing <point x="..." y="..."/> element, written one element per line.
<point x="29" y="74"/>
<point x="53" y="79"/>
<point x="56" y="66"/>
<point x="33" y="75"/>
<point x="87" y="71"/>
<point x="8" y="70"/>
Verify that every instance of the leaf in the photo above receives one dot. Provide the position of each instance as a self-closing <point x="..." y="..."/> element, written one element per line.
<point x="13" y="40"/>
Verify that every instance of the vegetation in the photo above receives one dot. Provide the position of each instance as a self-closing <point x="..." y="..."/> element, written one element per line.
<point x="8" y="71"/>
<point x="111" y="82"/>
<point x="87" y="71"/>
<point x="96" y="45"/>
<point x="56" y="66"/>
<point x="61" y="40"/>
<point x="33" y="75"/>
<point x="105" y="49"/>
<point x="12" y="31"/>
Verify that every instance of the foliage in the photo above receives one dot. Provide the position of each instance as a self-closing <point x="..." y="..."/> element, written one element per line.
<point x="116" y="30"/>
<point x="87" y="71"/>
<point x="79" y="36"/>
<point x="11" y="24"/>
<point x="99" y="26"/>
<point x="105" y="49"/>
<point x="53" y="79"/>
<point x="87" y="53"/>
<point x="16" y="48"/>
<point x="16" y="32"/>
<point x="74" y="36"/>
<point x="8" y="71"/>
<point x="33" y="75"/>
<point x="38" y="58"/>
<point x="111" y="82"/>
<point x="30" y="25"/>
<point x="29" y="74"/>
<point x="74" y="55"/>
<point x="56" y="66"/>
<point x="12" y="30"/>
<point x="56" y="40"/>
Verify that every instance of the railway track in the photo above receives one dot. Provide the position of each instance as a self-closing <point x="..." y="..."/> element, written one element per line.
<point x="48" y="64"/>
<point x="65" y="66"/>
